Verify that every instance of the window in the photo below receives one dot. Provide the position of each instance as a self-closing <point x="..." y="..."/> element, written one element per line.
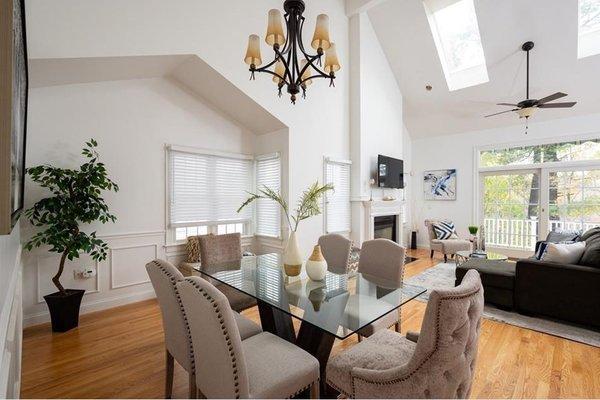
<point x="580" y="150"/>
<point x="528" y="191"/>
<point x="456" y="35"/>
<point x="268" y="213"/>
<point x="205" y="191"/>
<point x="589" y="28"/>
<point x="337" y="202"/>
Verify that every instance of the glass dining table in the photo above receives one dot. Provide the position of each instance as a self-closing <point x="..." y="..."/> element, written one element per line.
<point x="337" y="307"/>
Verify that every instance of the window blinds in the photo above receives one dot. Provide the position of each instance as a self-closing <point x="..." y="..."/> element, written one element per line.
<point x="268" y="213"/>
<point x="208" y="188"/>
<point x="337" y="202"/>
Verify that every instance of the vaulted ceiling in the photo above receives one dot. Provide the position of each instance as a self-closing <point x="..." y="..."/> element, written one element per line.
<point x="406" y="38"/>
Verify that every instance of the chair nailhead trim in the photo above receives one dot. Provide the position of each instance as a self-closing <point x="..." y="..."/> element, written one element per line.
<point x="297" y="392"/>
<point x="187" y="326"/>
<point x="431" y="353"/>
<point x="226" y="336"/>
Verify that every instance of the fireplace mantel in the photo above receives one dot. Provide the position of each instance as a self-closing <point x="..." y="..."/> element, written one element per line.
<point x="378" y="208"/>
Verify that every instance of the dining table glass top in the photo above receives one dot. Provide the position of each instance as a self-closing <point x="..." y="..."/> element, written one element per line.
<point x="341" y="304"/>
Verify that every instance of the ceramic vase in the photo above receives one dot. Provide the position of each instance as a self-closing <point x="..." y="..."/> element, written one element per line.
<point x="292" y="259"/>
<point x="316" y="266"/>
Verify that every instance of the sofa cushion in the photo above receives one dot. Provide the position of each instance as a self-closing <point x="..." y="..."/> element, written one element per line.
<point x="562" y="236"/>
<point x="564" y="253"/>
<point x="499" y="274"/>
<point x="444" y="230"/>
<point x="591" y="255"/>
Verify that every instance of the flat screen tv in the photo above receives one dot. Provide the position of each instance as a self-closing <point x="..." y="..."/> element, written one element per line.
<point x="390" y="172"/>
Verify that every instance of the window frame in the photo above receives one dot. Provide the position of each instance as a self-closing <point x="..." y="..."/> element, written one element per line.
<point x="212" y="226"/>
<point x="544" y="169"/>
<point x="326" y="162"/>
<point x="257" y="159"/>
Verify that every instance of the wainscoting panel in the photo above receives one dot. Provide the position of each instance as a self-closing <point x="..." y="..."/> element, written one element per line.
<point x="128" y="265"/>
<point x="47" y="266"/>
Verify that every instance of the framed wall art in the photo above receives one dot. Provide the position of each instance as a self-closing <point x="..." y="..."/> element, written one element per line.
<point x="440" y="184"/>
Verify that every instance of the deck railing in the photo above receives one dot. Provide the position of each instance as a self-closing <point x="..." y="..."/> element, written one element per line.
<point x="524" y="233"/>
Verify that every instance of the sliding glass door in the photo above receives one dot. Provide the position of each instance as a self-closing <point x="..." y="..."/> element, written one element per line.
<point x="511" y="208"/>
<point x="574" y="199"/>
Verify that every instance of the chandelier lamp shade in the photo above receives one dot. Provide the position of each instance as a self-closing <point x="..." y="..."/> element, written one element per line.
<point x="292" y="66"/>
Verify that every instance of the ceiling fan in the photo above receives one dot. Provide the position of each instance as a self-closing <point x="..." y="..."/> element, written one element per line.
<point x="527" y="107"/>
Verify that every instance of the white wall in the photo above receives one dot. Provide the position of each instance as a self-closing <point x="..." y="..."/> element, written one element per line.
<point x="132" y="120"/>
<point x="218" y="32"/>
<point x="10" y="314"/>
<point x="457" y="151"/>
<point x="377" y="124"/>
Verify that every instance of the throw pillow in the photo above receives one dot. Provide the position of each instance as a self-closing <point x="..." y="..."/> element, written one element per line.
<point x="444" y="230"/>
<point x="591" y="255"/>
<point x="193" y="249"/>
<point x="591" y="235"/>
<point x="559" y="236"/>
<point x="541" y="250"/>
<point x="564" y="253"/>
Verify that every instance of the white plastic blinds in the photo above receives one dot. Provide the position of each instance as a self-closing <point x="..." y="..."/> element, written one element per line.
<point x="337" y="202"/>
<point x="268" y="213"/>
<point x="208" y="188"/>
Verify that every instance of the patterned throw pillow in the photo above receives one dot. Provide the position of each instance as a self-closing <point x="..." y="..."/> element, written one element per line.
<point x="193" y="249"/>
<point x="444" y="230"/>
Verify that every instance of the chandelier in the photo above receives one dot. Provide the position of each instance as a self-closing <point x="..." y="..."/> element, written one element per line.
<point x="294" y="67"/>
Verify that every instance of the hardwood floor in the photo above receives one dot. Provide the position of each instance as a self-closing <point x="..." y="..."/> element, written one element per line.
<point x="119" y="353"/>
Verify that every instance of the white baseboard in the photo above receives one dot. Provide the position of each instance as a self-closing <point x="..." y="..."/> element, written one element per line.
<point x="103" y="304"/>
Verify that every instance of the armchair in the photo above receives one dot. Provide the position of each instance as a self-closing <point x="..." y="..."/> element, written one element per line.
<point x="445" y="246"/>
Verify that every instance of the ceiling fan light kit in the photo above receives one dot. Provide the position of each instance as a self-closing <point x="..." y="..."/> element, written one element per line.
<point x="528" y="107"/>
<point x="294" y="68"/>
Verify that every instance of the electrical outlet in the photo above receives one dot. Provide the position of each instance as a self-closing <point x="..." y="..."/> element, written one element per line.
<point x="84" y="272"/>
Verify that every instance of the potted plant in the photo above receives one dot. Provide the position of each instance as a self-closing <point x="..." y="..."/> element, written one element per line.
<point x="75" y="200"/>
<point x="473" y="231"/>
<point x="309" y="205"/>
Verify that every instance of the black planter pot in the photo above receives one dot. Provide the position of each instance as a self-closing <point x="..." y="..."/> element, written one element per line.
<point x="413" y="240"/>
<point x="64" y="310"/>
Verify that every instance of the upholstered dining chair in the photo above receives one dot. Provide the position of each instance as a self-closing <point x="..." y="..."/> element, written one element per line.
<point x="336" y="250"/>
<point x="446" y="246"/>
<point x="206" y="250"/>
<point x="437" y="363"/>
<point x="164" y="277"/>
<point x="382" y="259"/>
<point x="262" y="366"/>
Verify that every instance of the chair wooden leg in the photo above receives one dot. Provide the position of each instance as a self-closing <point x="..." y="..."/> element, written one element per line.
<point x="397" y="327"/>
<point x="192" y="384"/>
<point x="431" y="255"/>
<point x="445" y="258"/>
<point x="314" y="390"/>
<point x="169" y="375"/>
<point x="359" y="337"/>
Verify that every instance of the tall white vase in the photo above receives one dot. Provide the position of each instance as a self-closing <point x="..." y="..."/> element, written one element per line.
<point x="292" y="258"/>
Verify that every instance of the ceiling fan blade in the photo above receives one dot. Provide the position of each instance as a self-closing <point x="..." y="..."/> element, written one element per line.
<point x="506" y="104"/>
<point x="501" y="112"/>
<point x="558" y="105"/>
<point x="552" y="97"/>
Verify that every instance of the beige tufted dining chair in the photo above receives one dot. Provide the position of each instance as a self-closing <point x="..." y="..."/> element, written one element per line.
<point x="164" y="277"/>
<point x="382" y="259"/>
<point x="440" y="364"/>
<point x="262" y="366"/>
<point x="336" y="250"/>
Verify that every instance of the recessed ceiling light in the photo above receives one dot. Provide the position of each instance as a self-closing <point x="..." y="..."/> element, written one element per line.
<point x="428" y="88"/>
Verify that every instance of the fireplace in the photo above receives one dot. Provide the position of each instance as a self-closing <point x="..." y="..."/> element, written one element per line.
<point x="385" y="227"/>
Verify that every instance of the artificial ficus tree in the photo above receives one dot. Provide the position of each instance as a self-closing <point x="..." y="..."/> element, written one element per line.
<point x="76" y="198"/>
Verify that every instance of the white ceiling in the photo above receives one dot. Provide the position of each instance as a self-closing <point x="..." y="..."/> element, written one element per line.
<point x="404" y="33"/>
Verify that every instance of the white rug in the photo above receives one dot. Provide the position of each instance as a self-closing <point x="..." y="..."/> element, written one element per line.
<point x="442" y="277"/>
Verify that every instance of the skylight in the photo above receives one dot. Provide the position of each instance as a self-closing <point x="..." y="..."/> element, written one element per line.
<point x="455" y="32"/>
<point x="589" y="28"/>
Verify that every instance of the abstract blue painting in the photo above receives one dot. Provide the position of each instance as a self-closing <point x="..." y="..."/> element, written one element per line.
<point x="440" y="184"/>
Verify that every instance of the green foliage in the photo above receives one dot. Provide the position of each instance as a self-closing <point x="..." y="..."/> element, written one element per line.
<point x="76" y="199"/>
<point x="308" y="205"/>
<point x="473" y="230"/>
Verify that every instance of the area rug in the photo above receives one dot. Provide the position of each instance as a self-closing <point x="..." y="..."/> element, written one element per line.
<point x="442" y="277"/>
